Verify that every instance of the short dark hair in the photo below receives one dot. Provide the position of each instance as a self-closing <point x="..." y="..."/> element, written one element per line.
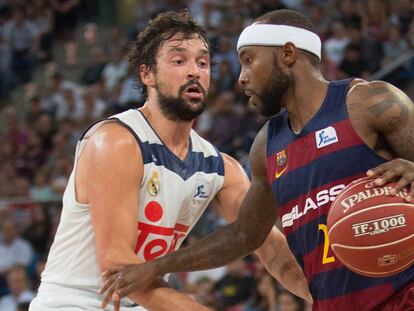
<point x="145" y="48"/>
<point x="290" y="18"/>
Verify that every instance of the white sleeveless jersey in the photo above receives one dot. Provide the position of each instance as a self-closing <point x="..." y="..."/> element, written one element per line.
<point x="173" y="195"/>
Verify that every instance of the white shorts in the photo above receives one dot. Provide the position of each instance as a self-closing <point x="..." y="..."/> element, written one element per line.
<point x="54" y="297"/>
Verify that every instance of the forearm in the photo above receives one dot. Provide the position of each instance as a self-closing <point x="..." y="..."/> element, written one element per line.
<point x="283" y="266"/>
<point x="161" y="297"/>
<point x="222" y="247"/>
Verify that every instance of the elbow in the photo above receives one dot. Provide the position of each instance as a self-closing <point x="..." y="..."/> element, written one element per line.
<point x="252" y="239"/>
<point x="114" y="258"/>
<point x="107" y="261"/>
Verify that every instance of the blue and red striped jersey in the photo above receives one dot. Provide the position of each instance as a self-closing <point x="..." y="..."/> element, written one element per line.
<point x="306" y="171"/>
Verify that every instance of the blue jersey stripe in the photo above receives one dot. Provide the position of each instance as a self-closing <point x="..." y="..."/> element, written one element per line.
<point x="161" y="156"/>
<point x="195" y="161"/>
<point x="306" y="238"/>
<point x="354" y="282"/>
<point x="328" y="168"/>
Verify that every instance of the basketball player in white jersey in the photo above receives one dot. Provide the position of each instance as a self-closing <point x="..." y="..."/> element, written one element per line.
<point x="142" y="179"/>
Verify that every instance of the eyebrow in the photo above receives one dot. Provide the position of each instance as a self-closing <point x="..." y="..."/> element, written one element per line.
<point x="180" y="49"/>
<point x="243" y="52"/>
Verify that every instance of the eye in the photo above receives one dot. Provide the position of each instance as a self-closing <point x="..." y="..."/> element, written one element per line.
<point x="248" y="60"/>
<point x="203" y="64"/>
<point x="178" y="61"/>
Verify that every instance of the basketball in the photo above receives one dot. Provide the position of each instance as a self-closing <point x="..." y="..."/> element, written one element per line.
<point x="370" y="231"/>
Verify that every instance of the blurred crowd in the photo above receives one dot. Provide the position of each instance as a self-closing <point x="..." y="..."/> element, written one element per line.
<point x="41" y="42"/>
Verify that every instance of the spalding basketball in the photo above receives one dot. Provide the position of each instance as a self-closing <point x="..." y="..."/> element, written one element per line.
<point x="370" y="231"/>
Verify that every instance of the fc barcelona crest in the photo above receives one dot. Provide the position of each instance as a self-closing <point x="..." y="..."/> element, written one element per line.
<point x="281" y="158"/>
<point x="153" y="185"/>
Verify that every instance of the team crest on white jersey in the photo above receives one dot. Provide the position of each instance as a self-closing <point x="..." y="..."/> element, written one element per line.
<point x="325" y="137"/>
<point x="153" y="185"/>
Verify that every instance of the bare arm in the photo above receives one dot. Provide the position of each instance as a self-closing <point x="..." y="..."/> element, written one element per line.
<point x="108" y="178"/>
<point x="384" y="117"/>
<point x="274" y="253"/>
<point x="256" y="218"/>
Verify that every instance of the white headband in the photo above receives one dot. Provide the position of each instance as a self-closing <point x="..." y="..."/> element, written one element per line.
<point x="278" y="35"/>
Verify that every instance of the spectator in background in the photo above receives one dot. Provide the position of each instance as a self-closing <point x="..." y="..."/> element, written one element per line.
<point x="226" y="80"/>
<point x="13" y="249"/>
<point x="115" y="70"/>
<point x="394" y="46"/>
<point x="403" y="15"/>
<point x="44" y="129"/>
<point x="321" y="20"/>
<point x="334" y="46"/>
<point x="288" y="302"/>
<point x="92" y="110"/>
<point x="55" y="86"/>
<point x="20" y="292"/>
<point x="8" y="174"/>
<point x="38" y="231"/>
<point x="349" y="15"/>
<point x="65" y="17"/>
<point x="353" y="65"/>
<point x="117" y="41"/>
<point x="41" y="16"/>
<point x="20" y="35"/>
<point x="371" y="51"/>
<point x="235" y="287"/>
<point x="97" y="63"/>
<point x="5" y="59"/>
<point x="225" y="122"/>
<point x="264" y="297"/>
<point x="70" y="106"/>
<point x="225" y="52"/>
<point x="34" y="109"/>
<point x="41" y="189"/>
<point x="375" y="19"/>
<point x="130" y="95"/>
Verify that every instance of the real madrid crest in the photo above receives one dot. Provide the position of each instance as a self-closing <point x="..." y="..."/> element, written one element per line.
<point x="281" y="158"/>
<point x="153" y="185"/>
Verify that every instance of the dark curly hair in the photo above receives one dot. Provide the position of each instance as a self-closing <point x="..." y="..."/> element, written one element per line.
<point x="145" y="48"/>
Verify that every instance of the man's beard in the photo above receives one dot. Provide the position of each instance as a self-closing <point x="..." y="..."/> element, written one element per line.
<point x="273" y="92"/>
<point x="175" y="108"/>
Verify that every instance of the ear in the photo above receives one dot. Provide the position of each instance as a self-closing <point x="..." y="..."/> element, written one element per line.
<point x="289" y="54"/>
<point x="147" y="75"/>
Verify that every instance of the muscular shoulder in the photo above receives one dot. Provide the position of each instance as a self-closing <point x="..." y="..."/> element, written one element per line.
<point x="379" y="103"/>
<point x="111" y="136"/>
<point x="112" y="142"/>
<point x="111" y="157"/>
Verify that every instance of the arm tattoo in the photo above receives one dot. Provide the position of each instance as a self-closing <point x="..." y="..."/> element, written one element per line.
<point x="394" y="115"/>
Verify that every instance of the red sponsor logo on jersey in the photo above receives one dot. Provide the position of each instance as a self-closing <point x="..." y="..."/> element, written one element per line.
<point x="156" y="241"/>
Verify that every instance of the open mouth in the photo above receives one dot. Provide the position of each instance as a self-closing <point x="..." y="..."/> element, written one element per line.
<point x="194" y="91"/>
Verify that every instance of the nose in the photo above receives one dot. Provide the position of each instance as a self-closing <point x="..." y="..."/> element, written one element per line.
<point x="243" y="79"/>
<point x="193" y="71"/>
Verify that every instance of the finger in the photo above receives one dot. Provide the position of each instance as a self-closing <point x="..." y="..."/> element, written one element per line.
<point x="124" y="291"/>
<point x="378" y="170"/>
<point x="107" y="284"/>
<point x="116" y="305"/>
<point x="388" y="176"/>
<point x="402" y="182"/>
<point x="410" y="197"/>
<point x="108" y="295"/>
<point x="110" y="272"/>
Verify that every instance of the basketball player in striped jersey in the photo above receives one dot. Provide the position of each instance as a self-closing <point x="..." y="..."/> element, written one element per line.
<point x="328" y="134"/>
<point x="141" y="180"/>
